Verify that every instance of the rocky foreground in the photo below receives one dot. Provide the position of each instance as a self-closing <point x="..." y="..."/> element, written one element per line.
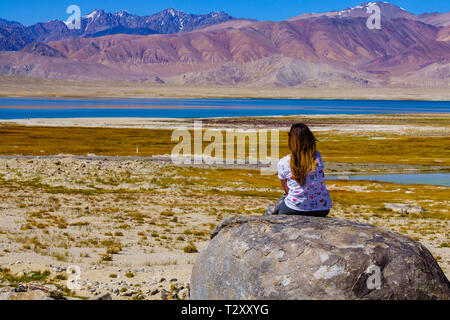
<point x="36" y="291"/>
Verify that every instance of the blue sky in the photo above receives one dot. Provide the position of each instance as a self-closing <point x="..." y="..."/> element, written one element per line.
<point x="32" y="11"/>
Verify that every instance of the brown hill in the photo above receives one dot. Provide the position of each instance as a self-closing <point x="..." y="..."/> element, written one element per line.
<point x="37" y="66"/>
<point x="339" y="42"/>
<point x="444" y="34"/>
<point x="279" y="71"/>
<point x="42" y="49"/>
<point x="436" y="18"/>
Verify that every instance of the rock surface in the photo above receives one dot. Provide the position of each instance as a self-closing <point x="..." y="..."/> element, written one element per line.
<point x="295" y="257"/>
<point x="404" y="209"/>
<point x="9" y="293"/>
<point x="105" y="296"/>
<point x="51" y="291"/>
<point x="31" y="291"/>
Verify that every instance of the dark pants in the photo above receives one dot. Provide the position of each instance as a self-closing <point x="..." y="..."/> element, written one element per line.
<point x="282" y="208"/>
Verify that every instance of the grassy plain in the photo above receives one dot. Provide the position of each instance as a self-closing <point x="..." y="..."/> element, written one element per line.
<point x="405" y="147"/>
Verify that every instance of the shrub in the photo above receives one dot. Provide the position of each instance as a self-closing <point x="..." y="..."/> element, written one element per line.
<point x="107" y="257"/>
<point x="190" y="248"/>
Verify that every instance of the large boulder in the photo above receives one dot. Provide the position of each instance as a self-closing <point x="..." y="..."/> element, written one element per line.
<point x="297" y="257"/>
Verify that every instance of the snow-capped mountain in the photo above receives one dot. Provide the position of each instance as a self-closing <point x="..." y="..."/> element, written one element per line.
<point x="14" y="36"/>
<point x="387" y="10"/>
<point x="164" y="22"/>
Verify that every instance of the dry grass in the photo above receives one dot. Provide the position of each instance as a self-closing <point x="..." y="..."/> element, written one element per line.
<point x="335" y="147"/>
<point x="81" y="141"/>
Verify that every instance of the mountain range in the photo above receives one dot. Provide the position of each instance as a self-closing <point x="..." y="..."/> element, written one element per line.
<point x="332" y="49"/>
<point x="14" y="36"/>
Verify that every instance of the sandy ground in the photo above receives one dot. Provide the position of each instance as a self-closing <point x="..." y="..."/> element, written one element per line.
<point x="77" y="224"/>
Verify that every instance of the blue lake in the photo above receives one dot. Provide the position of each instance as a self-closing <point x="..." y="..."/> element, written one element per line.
<point x="20" y="108"/>
<point x="439" y="179"/>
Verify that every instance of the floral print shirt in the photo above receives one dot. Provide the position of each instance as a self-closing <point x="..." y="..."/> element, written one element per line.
<point x="313" y="196"/>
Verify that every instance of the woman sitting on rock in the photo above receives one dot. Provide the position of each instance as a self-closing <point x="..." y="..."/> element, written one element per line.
<point x="302" y="177"/>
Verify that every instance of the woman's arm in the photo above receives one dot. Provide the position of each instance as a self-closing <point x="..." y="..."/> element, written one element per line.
<point x="285" y="187"/>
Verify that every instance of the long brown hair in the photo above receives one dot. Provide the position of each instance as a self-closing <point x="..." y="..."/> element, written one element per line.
<point x="303" y="152"/>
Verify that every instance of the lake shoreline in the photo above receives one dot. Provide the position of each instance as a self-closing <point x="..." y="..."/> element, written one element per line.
<point x="28" y="107"/>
